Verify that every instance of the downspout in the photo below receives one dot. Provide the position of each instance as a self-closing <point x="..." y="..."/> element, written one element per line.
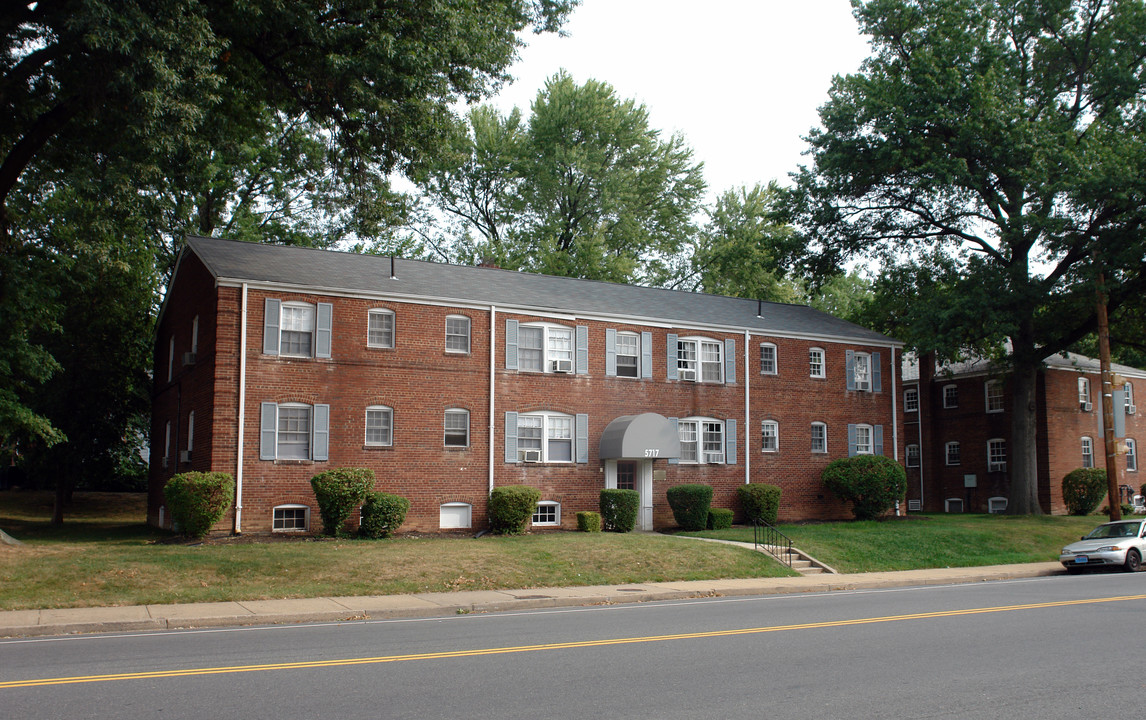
<point x="242" y="414"/>
<point x="492" y="369"/>
<point x="747" y="405"/>
<point x="894" y="420"/>
<point x="919" y="428"/>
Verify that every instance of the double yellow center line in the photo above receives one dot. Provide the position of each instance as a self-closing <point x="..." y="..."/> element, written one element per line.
<point x="190" y="672"/>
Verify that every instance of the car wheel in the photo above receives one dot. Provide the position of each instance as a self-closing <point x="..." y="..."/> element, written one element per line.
<point x="1133" y="561"/>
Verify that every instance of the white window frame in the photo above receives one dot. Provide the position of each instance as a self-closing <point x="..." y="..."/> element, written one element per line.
<point x="948" y="455"/>
<point x="553" y="509"/>
<point x="823" y="427"/>
<point x="384" y="411"/>
<point x="699" y="432"/>
<point x="769" y="436"/>
<point x="167" y="445"/>
<point x="911" y="400"/>
<point x="911" y="456"/>
<point x="694" y="356"/>
<point x="631" y="340"/>
<point x="950" y="396"/>
<point x="190" y="433"/>
<point x="865" y="440"/>
<point x="861" y="371"/>
<point x="551" y="428"/>
<point x="816" y="362"/>
<point x="1128" y="402"/>
<point x="1084" y="391"/>
<point x="310" y="312"/>
<point x="456" y="334"/>
<point x="1087" y="451"/>
<point x="996" y="449"/>
<point x="455" y="413"/>
<point x="371" y="331"/>
<point x="469" y="515"/>
<point x="1131" y="455"/>
<point x="993" y="391"/>
<point x="551" y="353"/>
<point x="276" y="520"/>
<point x="171" y="359"/>
<point x="769" y="359"/>
<point x="279" y="431"/>
<point x="195" y="334"/>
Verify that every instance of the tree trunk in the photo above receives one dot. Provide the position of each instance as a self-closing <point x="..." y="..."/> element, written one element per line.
<point x="1023" y="462"/>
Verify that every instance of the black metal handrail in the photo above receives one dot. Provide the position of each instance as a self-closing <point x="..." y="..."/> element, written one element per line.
<point x="774" y="542"/>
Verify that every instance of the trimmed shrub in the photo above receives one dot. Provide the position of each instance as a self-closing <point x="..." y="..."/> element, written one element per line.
<point x="1083" y="489"/>
<point x="761" y="502"/>
<point x="719" y="518"/>
<point x="197" y="500"/>
<point x="511" y="507"/>
<point x="382" y="514"/>
<point x="872" y="483"/>
<point x="589" y="521"/>
<point x="619" y="509"/>
<point x="690" y="505"/>
<point x="339" y="492"/>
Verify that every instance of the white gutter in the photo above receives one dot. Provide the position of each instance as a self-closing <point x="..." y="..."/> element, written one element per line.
<point x="747" y="405"/>
<point x="492" y="371"/>
<point x="894" y="414"/>
<point x="242" y="415"/>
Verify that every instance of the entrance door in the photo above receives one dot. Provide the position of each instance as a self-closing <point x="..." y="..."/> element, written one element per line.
<point x="634" y="475"/>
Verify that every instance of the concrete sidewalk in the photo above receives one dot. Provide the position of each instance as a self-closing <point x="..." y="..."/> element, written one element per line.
<point x="28" y="623"/>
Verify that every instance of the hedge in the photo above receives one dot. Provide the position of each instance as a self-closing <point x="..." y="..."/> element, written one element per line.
<point x="382" y="514"/>
<point x="719" y="519"/>
<point x="198" y="500"/>
<point x="589" y="521"/>
<point x="1083" y="489"/>
<point x="690" y="505"/>
<point x="619" y="509"/>
<point x="339" y="492"/>
<point x="872" y="483"/>
<point x="761" y="502"/>
<point x="511" y="507"/>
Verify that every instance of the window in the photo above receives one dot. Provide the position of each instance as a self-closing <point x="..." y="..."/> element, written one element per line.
<point x="1084" y="393"/>
<point x="547" y="513"/>
<point x="380" y="329"/>
<point x="291" y="518"/>
<point x="457" y="428"/>
<point x="455" y="515"/>
<point x="993" y="391"/>
<point x="819" y="437"/>
<point x="190" y="435"/>
<point x="911" y="400"/>
<point x="912" y="456"/>
<point x="950" y="396"/>
<point x="767" y="359"/>
<point x="701" y="440"/>
<point x="457" y="334"/>
<point x="816" y="362"/>
<point x="997" y="455"/>
<point x="195" y="335"/>
<point x="700" y="360"/>
<point x="626" y="475"/>
<point x="545" y="437"/>
<point x="297" y="330"/>
<point x="628" y="355"/>
<point x="953" y="453"/>
<point x="167" y="445"/>
<point x="1131" y="455"/>
<point x="294" y="431"/>
<point x="379" y="426"/>
<point x="769" y="436"/>
<point x="864" y="443"/>
<point x="1129" y="402"/>
<point x="1087" y="452"/>
<point x="862" y="371"/>
<point x="171" y="359"/>
<point x="545" y="348"/>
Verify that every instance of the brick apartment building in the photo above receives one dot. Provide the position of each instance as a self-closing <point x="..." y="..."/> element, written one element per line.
<point x="275" y="363"/>
<point x="957" y="431"/>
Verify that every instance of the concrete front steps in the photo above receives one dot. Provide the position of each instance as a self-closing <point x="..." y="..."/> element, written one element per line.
<point x="799" y="561"/>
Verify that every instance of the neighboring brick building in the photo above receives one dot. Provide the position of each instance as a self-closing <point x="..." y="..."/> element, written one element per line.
<point x="449" y="380"/>
<point x="957" y="431"/>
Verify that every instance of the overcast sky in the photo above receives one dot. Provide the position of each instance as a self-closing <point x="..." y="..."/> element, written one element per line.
<point x="740" y="79"/>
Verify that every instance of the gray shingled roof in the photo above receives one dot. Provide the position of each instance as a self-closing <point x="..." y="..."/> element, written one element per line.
<point x="971" y="366"/>
<point x="341" y="272"/>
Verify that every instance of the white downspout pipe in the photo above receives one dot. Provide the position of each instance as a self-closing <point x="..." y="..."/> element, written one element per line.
<point x="492" y="373"/>
<point x="747" y="416"/>
<point x="242" y="415"/>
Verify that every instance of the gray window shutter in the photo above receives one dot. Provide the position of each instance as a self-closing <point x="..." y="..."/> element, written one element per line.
<point x="321" y="446"/>
<point x="646" y="354"/>
<point x="272" y="311"/>
<point x="511" y="355"/>
<point x="730" y="441"/>
<point x="876" y="381"/>
<point x="322" y="331"/>
<point x="268" y="430"/>
<point x="850" y="368"/>
<point x="582" y="350"/>
<point x="610" y="352"/>
<point x="672" y="373"/>
<point x="511" y="437"/>
<point x="851" y="440"/>
<point x="878" y="440"/>
<point x="676" y="424"/>
<point x="582" y="431"/>
<point x="730" y="360"/>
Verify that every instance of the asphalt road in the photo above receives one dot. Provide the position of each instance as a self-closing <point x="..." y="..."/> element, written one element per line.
<point x="1058" y="647"/>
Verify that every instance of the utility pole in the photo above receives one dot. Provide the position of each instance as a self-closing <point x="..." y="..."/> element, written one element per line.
<point x="1109" y="442"/>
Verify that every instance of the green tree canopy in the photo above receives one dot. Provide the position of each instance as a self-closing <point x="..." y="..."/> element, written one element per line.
<point x="989" y="152"/>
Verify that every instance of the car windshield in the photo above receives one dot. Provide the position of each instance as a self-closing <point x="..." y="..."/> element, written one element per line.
<point x="1114" y="530"/>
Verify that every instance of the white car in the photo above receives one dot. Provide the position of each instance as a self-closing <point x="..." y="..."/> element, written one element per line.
<point x="1122" y="542"/>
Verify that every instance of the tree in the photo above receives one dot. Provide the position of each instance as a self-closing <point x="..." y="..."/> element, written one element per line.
<point x="988" y="153"/>
<point x="586" y="189"/>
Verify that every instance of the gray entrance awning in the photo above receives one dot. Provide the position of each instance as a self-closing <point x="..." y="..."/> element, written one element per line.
<point x="647" y="435"/>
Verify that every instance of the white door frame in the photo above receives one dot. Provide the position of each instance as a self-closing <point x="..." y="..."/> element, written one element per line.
<point x="644" y="482"/>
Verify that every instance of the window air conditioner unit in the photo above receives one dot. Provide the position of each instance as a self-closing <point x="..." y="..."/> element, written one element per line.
<point x="998" y="467"/>
<point x="689" y="375"/>
<point x="1087" y="407"/>
<point x="1130" y="409"/>
<point x="163" y="462"/>
<point x="189" y="358"/>
<point x="710" y="457"/>
<point x="184" y="456"/>
<point x="914" y="505"/>
<point x="530" y="456"/>
<point x="561" y="366"/>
